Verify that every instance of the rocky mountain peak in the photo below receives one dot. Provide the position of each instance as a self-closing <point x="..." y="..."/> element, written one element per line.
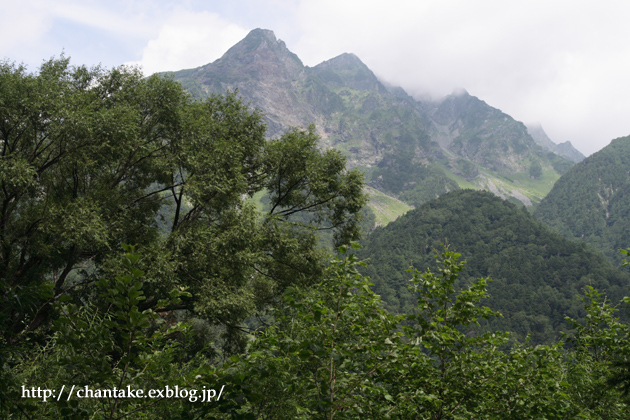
<point x="408" y="148"/>
<point x="459" y="104"/>
<point x="259" y="55"/>
<point x="347" y="70"/>
<point x="459" y="92"/>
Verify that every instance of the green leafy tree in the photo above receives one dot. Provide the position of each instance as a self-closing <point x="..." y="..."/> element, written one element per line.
<point x="597" y="343"/>
<point x="327" y="356"/>
<point x="535" y="170"/>
<point x="450" y="371"/>
<point x="119" y="347"/>
<point x="91" y="158"/>
<point x="334" y="353"/>
<point x="620" y="375"/>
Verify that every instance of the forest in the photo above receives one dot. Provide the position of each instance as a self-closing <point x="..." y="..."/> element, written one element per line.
<point x="142" y="278"/>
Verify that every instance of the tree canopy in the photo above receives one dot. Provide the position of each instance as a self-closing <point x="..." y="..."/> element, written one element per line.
<point x="92" y="158"/>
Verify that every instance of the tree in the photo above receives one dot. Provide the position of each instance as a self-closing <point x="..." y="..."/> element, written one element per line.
<point x="92" y="158"/>
<point x="619" y="377"/>
<point x="535" y="170"/>
<point x="108" y="351"/>
<point x="597" y="344"/>
<point x="328" y="355"/>
<point x="450" y="371"/>
<point x="335" y="353"/>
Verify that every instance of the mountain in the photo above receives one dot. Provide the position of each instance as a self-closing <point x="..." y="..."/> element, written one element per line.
<point x="379" y="132"/>
<point x="410" y="150"/>
<point x="591" y="202"/>
<point x="565" y="149"/>
<point x="265" y="73"/>
<point x="507" y="161"/>
<point x="536" y="273"/>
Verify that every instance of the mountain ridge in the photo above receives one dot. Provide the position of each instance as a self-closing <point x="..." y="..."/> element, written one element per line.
<point x="565" y="149"/>
<point x="382" y="130"/>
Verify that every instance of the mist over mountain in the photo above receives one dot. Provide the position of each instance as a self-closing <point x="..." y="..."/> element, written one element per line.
<point x="565" y="149"/>
<point x="410" y="150"/>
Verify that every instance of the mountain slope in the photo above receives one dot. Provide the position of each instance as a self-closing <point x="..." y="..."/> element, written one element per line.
<point x="591" y="202"/>
<point x="565" y="149"/>
<point x="265" y="73"/>
<point x="536" y="272"/>
<point x="506" y="159"/>
<point x="379" y="132"/>
<point x="380" y="129"/>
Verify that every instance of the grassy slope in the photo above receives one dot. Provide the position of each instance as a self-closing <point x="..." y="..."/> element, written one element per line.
<point x="385" y="208"/>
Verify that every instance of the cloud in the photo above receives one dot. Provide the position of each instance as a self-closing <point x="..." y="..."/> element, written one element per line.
<point x="188" y="40"/>
<point x="560" y="63"/>
<point x="23" y="26"/>
<point x="114" y="16"/>
<point x="91" y="31"/>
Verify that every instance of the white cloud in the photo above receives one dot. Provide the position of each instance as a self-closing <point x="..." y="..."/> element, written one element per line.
<point x="189" y="40"/>
<point x="120" y="17"/>
<point x="561" y="63"/>
<point x="23" y="25"/>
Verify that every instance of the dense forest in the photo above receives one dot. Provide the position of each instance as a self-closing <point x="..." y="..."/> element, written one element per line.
<point x="536" y="273"/>
<point x="140" y="277"/>
<point x="591" y="202"/>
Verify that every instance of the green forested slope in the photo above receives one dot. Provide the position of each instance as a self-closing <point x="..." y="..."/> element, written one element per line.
<point x="591" y="201"/>
<point x="536" y="272"/>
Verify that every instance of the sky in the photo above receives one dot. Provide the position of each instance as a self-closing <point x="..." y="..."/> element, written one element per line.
<point x="563" y="64"/>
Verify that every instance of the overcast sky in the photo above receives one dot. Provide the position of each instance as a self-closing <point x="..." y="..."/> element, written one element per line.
<point x="565" y="64"/>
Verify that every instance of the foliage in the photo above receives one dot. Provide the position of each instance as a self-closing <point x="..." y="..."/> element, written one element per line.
<point x="92" y="158"/>
<point x="537" y="273"/>
<point x="334" y="353"/>
<point x="599" y="344"/>
<point x="535" y="170"/>
<point x="325" y="357"/>
<point x="468" y="376"/>
<point x="116" y="347"/>
<point x="620" y="376"/>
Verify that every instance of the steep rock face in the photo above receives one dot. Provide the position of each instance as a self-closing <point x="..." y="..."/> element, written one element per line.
<point x="486" y="136"/>
<point x="410" y="150"/>
<point x="591" y="202"/>
<point x="566" y="149"/>
<point x="347" y="70"/>
<point x="380" y="131"/>
<point x="265" y="72"/>
<point x="491" y="150"/>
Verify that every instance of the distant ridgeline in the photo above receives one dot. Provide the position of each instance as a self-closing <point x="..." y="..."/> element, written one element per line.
<point x="537" y="274"/>
<point x="410" y="150"/>
<point x="591" y="202"/>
